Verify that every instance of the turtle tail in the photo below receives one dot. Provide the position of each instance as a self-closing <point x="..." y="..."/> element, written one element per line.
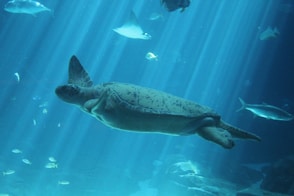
<point x="237" y="132"/>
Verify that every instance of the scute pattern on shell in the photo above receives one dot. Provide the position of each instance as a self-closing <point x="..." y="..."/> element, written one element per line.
<point x="147" y="100"/>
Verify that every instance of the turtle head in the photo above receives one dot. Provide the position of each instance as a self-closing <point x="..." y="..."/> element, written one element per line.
<point x="69" y="93"/>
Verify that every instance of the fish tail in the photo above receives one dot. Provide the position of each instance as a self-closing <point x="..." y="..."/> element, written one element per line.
<point x="243" y="105"/>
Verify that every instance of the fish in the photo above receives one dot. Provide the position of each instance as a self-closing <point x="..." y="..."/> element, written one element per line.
<point x="17" y="76"/>
<point x="26" y="161"/>
<point x="51" y="165"/>
<point x="25" y="7"/>
<point x="266" y="111"/>
<point x="131" y="29"/>
<point x="155" y="16"/>
<point x="52" y="159"/>
<point x="151" y="56"/>
<point x="44" y="111"/>
<point x="16" y="151"/>
<point x="173" y="5"/>
<point x="269" y="33"/>
<point x="63" y="182"/>
<point x="8" y="172"/>
<point x="34" y="122"/>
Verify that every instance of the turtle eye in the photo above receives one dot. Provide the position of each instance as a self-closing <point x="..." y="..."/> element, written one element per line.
<point x="72" y="90"/>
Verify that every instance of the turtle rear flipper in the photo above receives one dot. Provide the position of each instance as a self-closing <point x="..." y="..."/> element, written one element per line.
<point x="238" y="133"/>
<point x="217" y="135"/>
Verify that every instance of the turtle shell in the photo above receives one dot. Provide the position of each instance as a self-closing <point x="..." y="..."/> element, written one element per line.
<point x="146" y="100"/>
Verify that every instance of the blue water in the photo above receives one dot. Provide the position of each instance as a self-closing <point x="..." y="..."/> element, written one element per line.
<point x="210" y="53"/>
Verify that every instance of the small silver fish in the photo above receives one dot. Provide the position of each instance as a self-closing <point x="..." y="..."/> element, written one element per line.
<point x="17" y="76"/>
<point x="51" y="165"/>
<point x="63" y="182"/>
<point x="25" y="7"/>
<point x="266" y="111"/>
<point x="52" y="159"/>
<point x="44" y="111"/>
<point x="16" y="151"/>
<point x="8" y="172"/>
<point x="155" y="16"/>
<point x="151" y="56"/>
<point x="26" y="161"/>
<point x="34" y="122"/>
<point x="269" y="33"/>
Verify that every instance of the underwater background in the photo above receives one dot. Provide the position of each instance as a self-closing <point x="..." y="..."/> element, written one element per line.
<point x="210" y="53"/>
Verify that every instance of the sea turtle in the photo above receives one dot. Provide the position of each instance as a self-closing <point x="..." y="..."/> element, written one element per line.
<point x="135" y="108"/>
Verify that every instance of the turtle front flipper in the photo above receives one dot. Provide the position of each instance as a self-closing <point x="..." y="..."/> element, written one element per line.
<point x="238" y="133"/>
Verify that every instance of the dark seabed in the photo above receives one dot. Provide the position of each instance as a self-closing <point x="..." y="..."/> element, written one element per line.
<point x="212" y="53"/>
